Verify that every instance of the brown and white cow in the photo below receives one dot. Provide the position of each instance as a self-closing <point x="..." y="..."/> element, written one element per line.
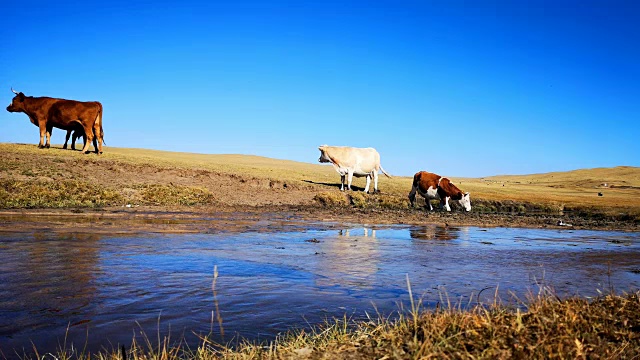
<point x="432" y="186"/>
<point x="47" y="113"/>
<point x="351" y="161"/>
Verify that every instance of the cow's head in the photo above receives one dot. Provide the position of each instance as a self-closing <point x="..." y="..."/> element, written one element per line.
<point x="465" y="202"/>
<point x="17" y="104"/>
<point x="324" y="158"/>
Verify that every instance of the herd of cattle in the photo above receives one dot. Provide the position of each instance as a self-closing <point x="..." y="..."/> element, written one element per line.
<point x="350" y="162"/>
<point x="85" y="119"/>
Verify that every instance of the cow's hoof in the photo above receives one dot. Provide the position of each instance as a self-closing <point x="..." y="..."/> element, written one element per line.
<point x="87" y="152"/>
<point x="40" y="146"/>
<point x="64" y="147"/>
<point x="47" y="146"/>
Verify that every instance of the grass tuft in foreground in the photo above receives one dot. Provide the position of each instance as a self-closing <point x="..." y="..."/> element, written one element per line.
<point x="607" y="327"/>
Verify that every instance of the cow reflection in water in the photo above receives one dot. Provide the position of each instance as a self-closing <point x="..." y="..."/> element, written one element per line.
<point x="350" y="259"/>
<point x="347" y="232"/>
<point x="435" y="233"/>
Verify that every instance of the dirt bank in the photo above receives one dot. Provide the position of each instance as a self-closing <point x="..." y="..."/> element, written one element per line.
<point x="163" y="191"/>
<point x="273" y="218"/>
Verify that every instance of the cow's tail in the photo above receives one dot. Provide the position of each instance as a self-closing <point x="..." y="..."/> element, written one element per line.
<point x="99" y="120"/>
<point x="414" y="189"/>
<point x="416" y="180"/>
<point x="384" y="172"/>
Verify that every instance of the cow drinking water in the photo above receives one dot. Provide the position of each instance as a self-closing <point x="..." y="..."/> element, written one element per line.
<point x="432" y="186"/>
<point x="351" y="161"/>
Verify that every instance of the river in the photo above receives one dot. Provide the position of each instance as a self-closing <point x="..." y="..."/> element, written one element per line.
<point x="102" y="290"/>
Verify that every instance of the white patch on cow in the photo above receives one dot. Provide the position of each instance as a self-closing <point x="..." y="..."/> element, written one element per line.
<point x="430" y="194"/>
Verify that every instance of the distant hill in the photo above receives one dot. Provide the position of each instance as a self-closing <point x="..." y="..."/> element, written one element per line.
<point x="620" y="176"/>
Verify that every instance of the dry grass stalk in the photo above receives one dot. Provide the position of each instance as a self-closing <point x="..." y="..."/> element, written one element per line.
<point x="548" y="327"/>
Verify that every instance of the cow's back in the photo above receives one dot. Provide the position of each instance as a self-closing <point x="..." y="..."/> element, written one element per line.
<point x="66" y="114"/>
<point x="346" y="159"/>
<point x="424" y="180"/>
<point x="351" y="156"/>
<point x="446" y="188"/>
<point x="39" y="107"/>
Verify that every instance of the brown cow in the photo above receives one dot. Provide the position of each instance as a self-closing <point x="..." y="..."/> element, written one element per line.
<point x="432" y="186"/>
<point x="47" y="113"/>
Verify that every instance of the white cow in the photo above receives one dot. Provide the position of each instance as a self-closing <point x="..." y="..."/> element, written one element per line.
<point x="350" y="161"/>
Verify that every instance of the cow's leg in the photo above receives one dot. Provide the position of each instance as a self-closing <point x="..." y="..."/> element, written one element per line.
<point x="412" y="196"/>
<point x="366" y="188"/>
<point x="49" y="131"/>
<point x="88" y="131"/>
<point x="445" y="202"/>
<point x="341" y="182"/>
<point x="97" y="140"/>
<point x="43" y="131"/>
<point x="84" y="140"/>
<point x="349" y="179"/>
<point x="73" y="140"/>
<point x="66" y="140"/>
<point x="375" y="181"/>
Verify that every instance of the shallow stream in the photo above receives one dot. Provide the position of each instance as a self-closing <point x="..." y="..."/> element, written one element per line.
<point x="101" y="290"/>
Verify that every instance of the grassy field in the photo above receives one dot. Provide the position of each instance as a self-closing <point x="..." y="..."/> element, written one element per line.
<point x="56" y="178"/>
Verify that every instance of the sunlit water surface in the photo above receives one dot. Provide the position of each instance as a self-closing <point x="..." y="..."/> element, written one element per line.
<point x="101" y="291"/>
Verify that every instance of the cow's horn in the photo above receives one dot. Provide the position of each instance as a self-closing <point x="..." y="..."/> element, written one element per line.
<point x="15" y="92"/>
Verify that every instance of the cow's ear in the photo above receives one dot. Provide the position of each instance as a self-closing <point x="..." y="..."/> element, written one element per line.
<point x="21" y="96"/>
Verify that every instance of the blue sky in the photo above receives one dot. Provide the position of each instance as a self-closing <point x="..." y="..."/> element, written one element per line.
<point x="457" y="88"/>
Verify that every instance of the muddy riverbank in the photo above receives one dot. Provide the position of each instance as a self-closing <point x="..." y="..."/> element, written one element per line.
<point x="246" y="218"/>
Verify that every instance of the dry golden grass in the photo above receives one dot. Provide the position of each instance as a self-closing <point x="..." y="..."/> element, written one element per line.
<point x="544" y="327"/>
<point x="570" y="189"/>
<point x="573" y="190"/>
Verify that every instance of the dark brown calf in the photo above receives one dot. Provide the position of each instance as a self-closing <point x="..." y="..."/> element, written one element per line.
<point x="47" y="113"/>
<point x="77" y="133"/>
